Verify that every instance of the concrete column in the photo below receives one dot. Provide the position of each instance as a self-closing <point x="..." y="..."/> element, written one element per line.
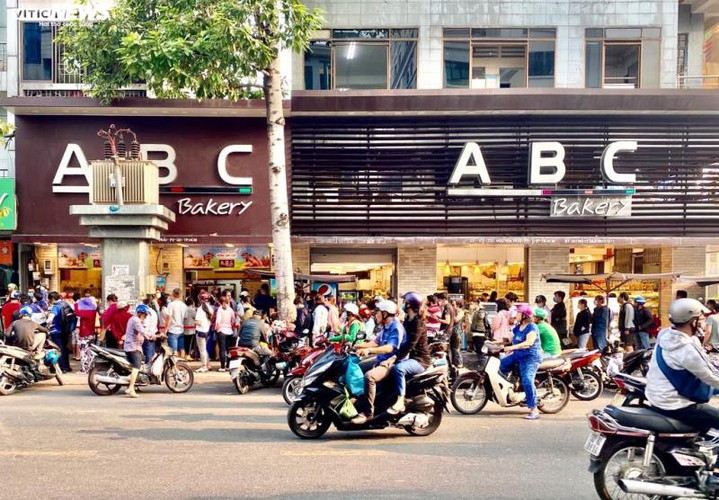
<point x="690" y="260"/>
<point x="417" y="269"/>
<point x="666" y="291"/>
<point x="546" y="260"/>
<point x="130" y="255"/>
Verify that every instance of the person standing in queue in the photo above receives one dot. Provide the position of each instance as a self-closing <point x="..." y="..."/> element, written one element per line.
<point x="413" y="356"/>
<point x="643" y="321"/>
<point x="627" y="330"/>
<point x="559" y="317"/>
<point x="500" y="324"/>
<point x="600" y="323"/>
<point x="224" y="326"/>
<point x="132" y="345"/>
<point x="582" y="324"/>
<point x="480" y="329"/>
<point x="203" y="319"/>
<point x="386" y="346"/>
<point x="526" y="353"/>
<point x="320" y="318"/>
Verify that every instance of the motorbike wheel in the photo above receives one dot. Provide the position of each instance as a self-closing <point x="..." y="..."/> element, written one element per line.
<point x="7" y="386"/>
<point x="179" y="378"/>
<point x="100" y="388"/>
<point x="291" y="389"/>
<point x="308" y="419"/>
<point x="593" y="386"/>
<point x="625" y="462"/>
<point x="552" y="401"/>
<point x="58" y="374"/>
<point x="272" y="379"/>
<point x="435" y="419"/>
<point x="241" y="383"/>
<point x="469" y="396"/>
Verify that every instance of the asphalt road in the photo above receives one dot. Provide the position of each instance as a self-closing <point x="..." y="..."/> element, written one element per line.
<point x="66" y="442"/>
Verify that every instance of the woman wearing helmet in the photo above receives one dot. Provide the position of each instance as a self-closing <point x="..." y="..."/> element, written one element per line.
<point x="678" y="363"/>
<point x="132" y="345"/>
<point x="367" y="316"/>
<point x="413" y="357"/>
<point x="526" y="353"/>
<point x="352" y="326"/>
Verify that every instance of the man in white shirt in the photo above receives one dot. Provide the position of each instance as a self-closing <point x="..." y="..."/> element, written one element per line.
<point x="320" y="316"/>
<point x="176" y="327"/>
<point x="150" y="324"/>
<point x="202" y="328"/>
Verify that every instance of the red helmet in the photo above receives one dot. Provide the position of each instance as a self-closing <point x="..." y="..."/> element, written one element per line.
<point x="365" y="312"/>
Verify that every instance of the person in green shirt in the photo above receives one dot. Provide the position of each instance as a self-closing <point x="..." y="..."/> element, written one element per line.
<point x="352" y="327"/>
<point x="547" y="334"/>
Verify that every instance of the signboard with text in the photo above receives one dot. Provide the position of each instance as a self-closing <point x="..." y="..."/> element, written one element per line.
<point x="225" y="259"/>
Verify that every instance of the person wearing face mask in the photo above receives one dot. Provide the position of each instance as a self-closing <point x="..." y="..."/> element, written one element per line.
<point x="559" y="317"/>
<point x="681" y="379"/>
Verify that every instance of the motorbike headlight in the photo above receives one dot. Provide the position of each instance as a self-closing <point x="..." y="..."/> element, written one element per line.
<point x="313" y="373"/>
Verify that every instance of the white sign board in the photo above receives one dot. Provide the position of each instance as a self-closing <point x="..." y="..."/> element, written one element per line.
<point x="120" y="270"/>
<point x="125" y="287"/>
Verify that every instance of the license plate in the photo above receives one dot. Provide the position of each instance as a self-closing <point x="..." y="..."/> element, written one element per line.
<point x="235" y="363"/>
<point x="618" y="399"/>
<point x="594" y="443"/>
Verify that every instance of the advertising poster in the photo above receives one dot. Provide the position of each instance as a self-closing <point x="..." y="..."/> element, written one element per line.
<point x="8" y="213"/>
<point x="79" y="257"/>
<point x="226" y="258"/>
<point x="326" y="289"/>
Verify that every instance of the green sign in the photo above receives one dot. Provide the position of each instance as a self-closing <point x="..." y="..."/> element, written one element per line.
<point x="8" y="210"/>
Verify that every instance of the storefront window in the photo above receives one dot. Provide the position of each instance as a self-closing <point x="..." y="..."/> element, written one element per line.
<point x="622" y="57"/>
<point x="360" y="66"/>
<point x="37" y="52"/>
<point x="501" y="58"/>
<point x="317" y="66"/>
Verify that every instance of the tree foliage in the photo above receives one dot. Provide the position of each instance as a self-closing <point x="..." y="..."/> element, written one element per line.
<point x="211" y="49"/>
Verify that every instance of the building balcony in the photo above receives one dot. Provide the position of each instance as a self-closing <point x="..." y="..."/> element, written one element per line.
<point x="710" y="82"/>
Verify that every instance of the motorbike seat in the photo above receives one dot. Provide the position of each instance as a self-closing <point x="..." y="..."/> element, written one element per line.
<point x="429" y="372"/>
<point x="572" y="352"/>
<point x="246" y="352"/>
<point x="551" y="364"/>
<point x="646" y="418"/>
<point x="117" y="352"/>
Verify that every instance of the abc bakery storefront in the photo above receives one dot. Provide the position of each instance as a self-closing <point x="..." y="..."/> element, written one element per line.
<point x="213" y="176"/>
<point x="474" y="193"/>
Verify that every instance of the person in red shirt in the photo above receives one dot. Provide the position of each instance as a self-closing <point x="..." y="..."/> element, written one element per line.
<point x="9" y="309"/>
<point x="118" y="325"/>
<point x="107" y="317"/>
<point x="86" y="312"/>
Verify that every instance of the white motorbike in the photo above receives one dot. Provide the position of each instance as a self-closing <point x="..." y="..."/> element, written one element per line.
<point x="472" y="390"/>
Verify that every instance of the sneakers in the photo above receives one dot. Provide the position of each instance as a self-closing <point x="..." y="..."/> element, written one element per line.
<point x="532" y="416"/>
<point x="360" y="419"/>
<point x="222" y="370"/>
<point x="202" y="369"/>
<point x="396" y="408"/>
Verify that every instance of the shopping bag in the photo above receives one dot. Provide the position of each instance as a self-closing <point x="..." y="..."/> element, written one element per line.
<point x="347" y="410"/>
<point x="354" y="378"/>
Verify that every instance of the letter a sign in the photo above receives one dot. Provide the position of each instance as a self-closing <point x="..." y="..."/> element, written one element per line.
<point x="470" y="162"/>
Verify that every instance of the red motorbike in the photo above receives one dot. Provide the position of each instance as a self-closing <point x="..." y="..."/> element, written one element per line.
<point x="582" y="378"/>
<point x="292" y="385"/>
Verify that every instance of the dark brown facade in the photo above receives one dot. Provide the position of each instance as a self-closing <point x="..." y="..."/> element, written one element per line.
<point x="210" y="216"/>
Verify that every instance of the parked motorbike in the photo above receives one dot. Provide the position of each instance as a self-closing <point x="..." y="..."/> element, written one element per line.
<point x="292" y="385"/>
<point x="111" y="371"/>
<point x="614" y="360"/>
<point x="584" y="382"/>
<point x="636" y="451"/>
<point x="474" y="389"/>
<point x="20" y="368"/>
<point x="631" y="390"/>
<point x="322" y="397"/>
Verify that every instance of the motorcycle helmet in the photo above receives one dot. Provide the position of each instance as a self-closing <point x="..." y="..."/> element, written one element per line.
<point x="52" y="356"/>
<point x="25" y="311"/>
<point x="640" y="300"/>
<point x="540" y="313"/>
<point x="142" y="309"/>
<point x="525" y="309"/>
<point x="352" y="309"/>
<point x="683" y="311"/>
<point x="387" y="306"/>
<point x="413" y="300"/>
<point x="365" y="312"/>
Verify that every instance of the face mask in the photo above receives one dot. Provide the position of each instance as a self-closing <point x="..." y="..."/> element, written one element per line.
<point x="158" y="295"/>
<point x="554" y="299"/>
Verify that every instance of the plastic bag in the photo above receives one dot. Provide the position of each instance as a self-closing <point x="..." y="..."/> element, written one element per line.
<point x="354" y="378"/>
<point x="347" y="410"/>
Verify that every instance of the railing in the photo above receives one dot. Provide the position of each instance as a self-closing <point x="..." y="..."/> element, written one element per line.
<point x="698" y="81"/>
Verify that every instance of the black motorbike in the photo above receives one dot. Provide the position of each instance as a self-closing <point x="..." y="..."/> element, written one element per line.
<point x="20" y="368"/>
<point x="111" y="371"/>
<point x="323" y="396"/>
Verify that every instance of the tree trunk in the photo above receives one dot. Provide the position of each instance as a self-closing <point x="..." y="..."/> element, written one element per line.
<point x="279" y="206"/>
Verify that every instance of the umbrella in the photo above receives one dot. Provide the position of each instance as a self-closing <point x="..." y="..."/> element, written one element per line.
<point x="609" y="281"/>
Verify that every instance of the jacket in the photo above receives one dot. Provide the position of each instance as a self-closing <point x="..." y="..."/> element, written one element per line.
<point x="582" y="322"/>
<point x="680" y="352"/>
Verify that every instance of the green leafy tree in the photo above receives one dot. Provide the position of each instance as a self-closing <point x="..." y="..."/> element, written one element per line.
<point x="205" y="49"/>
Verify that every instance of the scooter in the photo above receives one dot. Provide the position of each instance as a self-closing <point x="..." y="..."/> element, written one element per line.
<point x="247" y="369"/>
<point x="323" y="397"/>
<point x="20" y="368"/>
<point x="473" y="390"/>
<point x="111" y="371"/>
<point x="584" y="382"/>
<point x="292" y="385"/>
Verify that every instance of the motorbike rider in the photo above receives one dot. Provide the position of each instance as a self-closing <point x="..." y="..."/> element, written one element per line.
<point x="352" y="326"/>
<point x="254" y="331"/>
<point x="386" y="346"/>
<point x="413" y="356"/>
<point x="526" y="352"/>
<point x="679" y="362"/>
<point x="26" y="333"/>
<point x="551" y="345"/>
<point x="132" y="345"/>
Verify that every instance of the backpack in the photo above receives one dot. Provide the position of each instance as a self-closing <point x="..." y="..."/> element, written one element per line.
<point x="66" y="319"/>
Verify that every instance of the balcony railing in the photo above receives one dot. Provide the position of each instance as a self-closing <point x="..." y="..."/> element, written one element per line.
<point x="698" y="81"/>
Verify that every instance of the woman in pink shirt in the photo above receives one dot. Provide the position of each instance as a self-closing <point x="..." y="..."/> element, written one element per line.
<point x="434" y="312"/>
<point x="500" y="323"/>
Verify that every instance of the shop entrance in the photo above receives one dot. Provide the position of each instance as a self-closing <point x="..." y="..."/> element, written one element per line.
<point x="375" y="269"/>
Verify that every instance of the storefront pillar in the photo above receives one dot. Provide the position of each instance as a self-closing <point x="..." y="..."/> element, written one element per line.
<point x="417" y="269"/>
<point x="546" y="260"/>
<point x="690" y="260"/>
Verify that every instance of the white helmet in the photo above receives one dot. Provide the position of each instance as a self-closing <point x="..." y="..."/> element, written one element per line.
<point x="682" y="311"/>
<point x="352" y="309"/>
<point x="388" y="306"/>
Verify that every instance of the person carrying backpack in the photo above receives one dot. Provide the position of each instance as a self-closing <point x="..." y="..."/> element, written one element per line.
<point x="62" y="321"/>
<point x="479" y="328"/>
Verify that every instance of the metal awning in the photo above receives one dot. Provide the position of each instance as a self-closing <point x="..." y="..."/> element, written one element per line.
<point x="607" y="282"/>
<point x="699" y="280"/>
<point x="327" y="278"/>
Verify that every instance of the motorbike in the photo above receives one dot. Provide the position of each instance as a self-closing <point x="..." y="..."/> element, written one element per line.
<point x="614" y="360"/>
<point x="292" y="385"/>
<point x="631" y="390"/>
<point x="323" y="396"/>
<point x="111" y="371"/>
<point x="20" y="368"/>
<point x="636" y="451"/>
<point x="474" y="389"/>
<point x="584" y="382"/>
